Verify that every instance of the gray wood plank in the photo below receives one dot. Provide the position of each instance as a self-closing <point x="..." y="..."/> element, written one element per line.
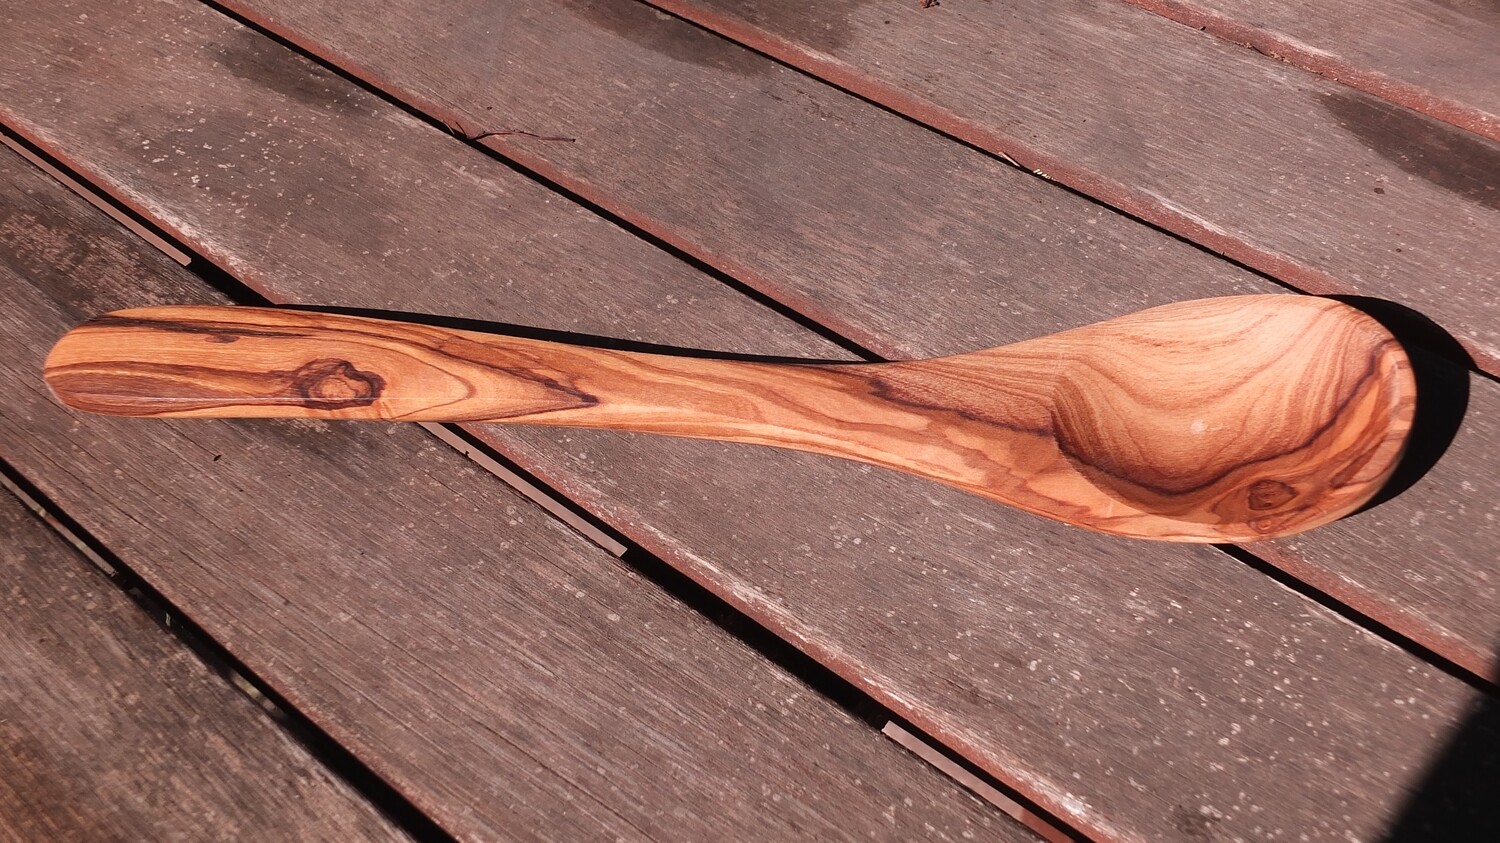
<point x="1140" y="691"/>
<point x="1438" y="58"/>
<point x="754" y="190"/>
<point x="399" y="203"/>
<point x="1324" y="187"/>
<point x="112" y="730"/>
<point x="869" y="223"/>
<point x="512" y="680"/>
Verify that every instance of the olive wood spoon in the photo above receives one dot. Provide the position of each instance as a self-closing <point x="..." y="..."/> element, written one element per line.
<point x="1230" y="419"/>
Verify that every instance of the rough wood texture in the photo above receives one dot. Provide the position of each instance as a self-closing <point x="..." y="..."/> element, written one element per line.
<point x="1436" y="57"/>
<point x="111" y="730"/>
<point x="401" y="204"/>
<point x="509" y="678"/>
<point x="853" y="238"/>
<point x="1229" y="419"/>
<point x="901" y="238"/>
<point x="1164" y="697"/>
<point x="1327" y="188"/>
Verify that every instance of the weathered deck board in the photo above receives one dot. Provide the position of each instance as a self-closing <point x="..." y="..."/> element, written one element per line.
<point x="509" y="678"/>
<point x="336" y="164"/>
<point x="112" y="730"/>
<point x="1324" y="187"/>
<point x="1439" y="58"/>
<point x="846" y="213"/>
<point x="1139" y="691"/>
<point x="1014" y="257"/>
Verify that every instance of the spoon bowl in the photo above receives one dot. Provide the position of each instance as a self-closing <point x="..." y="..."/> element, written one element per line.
<point x="1230" y="419"/>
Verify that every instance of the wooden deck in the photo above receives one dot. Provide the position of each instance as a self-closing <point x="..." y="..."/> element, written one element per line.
<point x="305" y="630"/>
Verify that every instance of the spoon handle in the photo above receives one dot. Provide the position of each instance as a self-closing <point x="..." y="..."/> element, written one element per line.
<point x="261" y="362"/>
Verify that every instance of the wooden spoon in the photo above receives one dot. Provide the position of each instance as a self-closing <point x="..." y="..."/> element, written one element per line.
<point x="1229" y="419"/>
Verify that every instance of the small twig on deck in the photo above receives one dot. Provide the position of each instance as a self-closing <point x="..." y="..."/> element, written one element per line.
<point x="459" y="131"/>
<point x="522" y="133"/>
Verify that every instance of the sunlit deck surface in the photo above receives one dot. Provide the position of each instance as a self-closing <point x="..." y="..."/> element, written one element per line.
<point x="299" y="630"/>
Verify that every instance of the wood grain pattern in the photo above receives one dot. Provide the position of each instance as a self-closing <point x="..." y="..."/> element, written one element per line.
<point x="1437" y="57"/>
<point x="856" y="239"/>
<point x="1329" y="189"/>
<point x="1226" y="419"/>
<point x="112" y="730"/>
<point x="1160" y="695"/>
<point x="509" y="678"/>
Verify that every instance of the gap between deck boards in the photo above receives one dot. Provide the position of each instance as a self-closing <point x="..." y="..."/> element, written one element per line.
<point x="342" y="764"/>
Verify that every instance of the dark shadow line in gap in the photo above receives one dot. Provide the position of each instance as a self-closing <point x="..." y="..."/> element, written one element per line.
<point x="1362" y="620"/>
<point x="341" y="762"/>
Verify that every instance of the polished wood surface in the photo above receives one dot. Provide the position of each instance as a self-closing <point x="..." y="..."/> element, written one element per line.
<point x="1228" y="419"/>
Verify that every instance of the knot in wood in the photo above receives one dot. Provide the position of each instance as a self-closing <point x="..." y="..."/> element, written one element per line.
<point x="1270" y="494"/>
<point x="333" y="384"/>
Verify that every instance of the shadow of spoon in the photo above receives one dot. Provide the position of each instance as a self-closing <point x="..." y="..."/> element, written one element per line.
<point x="1440" y="367"/>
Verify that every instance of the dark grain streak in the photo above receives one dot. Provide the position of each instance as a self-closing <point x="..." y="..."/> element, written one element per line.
<point x="231" y="331"/>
